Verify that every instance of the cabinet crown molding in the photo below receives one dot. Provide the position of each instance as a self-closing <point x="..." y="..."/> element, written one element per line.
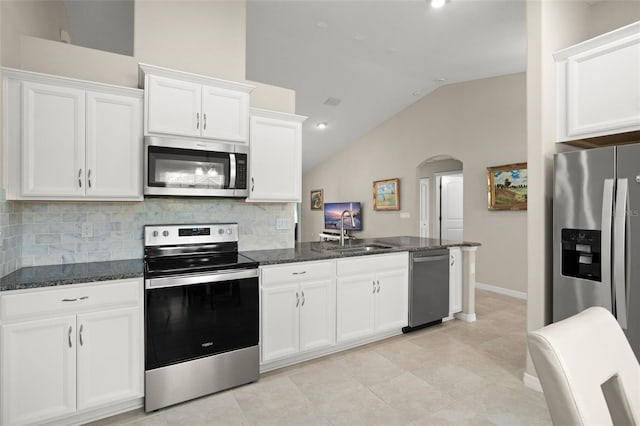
<point x="632" y="31"/>
<point x="144" y="69"/>
<point x="74" y="83"/>
<point x="277" y="115"/>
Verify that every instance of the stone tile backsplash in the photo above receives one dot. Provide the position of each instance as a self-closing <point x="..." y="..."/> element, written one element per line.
<point x="48" y="233"/>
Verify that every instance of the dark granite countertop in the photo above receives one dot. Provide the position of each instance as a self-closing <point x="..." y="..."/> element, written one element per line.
<point x="76" y="273"/>
<point x="72" y="273"/>
<point x="320" y="250"/>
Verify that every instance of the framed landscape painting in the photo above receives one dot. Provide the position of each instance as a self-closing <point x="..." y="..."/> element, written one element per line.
<point x="386" y="194"/>
<point x="508" y="187"/>
<point x="316" y="199"/>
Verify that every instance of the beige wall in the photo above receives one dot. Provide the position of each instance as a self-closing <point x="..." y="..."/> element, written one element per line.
<point x="482" y="124"/>
<point x="551" y="26"/>
<point x="203" y="37"/>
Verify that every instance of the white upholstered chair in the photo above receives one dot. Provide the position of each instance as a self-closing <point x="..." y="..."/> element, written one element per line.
<point x="588" y="371"/>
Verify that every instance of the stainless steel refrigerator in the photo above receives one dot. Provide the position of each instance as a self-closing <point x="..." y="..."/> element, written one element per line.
<point x="596" y="235"/>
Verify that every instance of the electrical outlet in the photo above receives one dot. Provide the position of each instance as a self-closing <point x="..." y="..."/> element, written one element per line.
<point x="87" y="230"/>
<point x="405" y="215"/>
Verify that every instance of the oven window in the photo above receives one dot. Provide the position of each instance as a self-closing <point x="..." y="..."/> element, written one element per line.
<point x="187" y="168"/>
<point x="189" y="322"/>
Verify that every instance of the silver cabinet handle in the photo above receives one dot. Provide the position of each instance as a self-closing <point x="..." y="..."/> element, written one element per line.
<point x="303" y="298"/>
<point x="81" y="327"/>
<point x="79" y="177"/>
<point x="297" y="299"/>
<point x="299" y="273"/>
<point x="89" y="177"/>
<point x="197" y="120"/>
<point x="377" y="281"/>
<point x="453" y="260"/>
<point x="75" y="300"/>
<point x="204" y="119"/>
<point x="70" y="331"/>
<point x="252" y="184"/>
<point x="374" y="286"/>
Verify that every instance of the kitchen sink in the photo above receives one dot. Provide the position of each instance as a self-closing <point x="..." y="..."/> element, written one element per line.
<point x="362" y="248"/>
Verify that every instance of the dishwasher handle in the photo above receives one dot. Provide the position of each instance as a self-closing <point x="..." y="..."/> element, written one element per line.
<point x="430" y="258"/>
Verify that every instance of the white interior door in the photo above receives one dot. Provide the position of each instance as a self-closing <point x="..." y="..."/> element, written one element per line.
<point x="424" y="207"/>
<point x="451" y="211"/>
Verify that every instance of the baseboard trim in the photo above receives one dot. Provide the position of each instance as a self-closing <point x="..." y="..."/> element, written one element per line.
<point x="532" y="382"/>
<point x="500" y="290"/>
<point x="465" y="317"/>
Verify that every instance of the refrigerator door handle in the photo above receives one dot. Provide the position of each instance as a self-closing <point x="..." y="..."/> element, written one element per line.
<point x="619" y="255"/>
<point x="605" y="252"/>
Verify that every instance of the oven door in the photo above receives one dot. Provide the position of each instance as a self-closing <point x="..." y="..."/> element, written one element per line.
<point x="194" y="168"/>
<point x="190" y="317"/>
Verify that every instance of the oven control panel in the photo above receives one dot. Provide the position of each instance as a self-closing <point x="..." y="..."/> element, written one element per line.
<point x="162" y="235"/>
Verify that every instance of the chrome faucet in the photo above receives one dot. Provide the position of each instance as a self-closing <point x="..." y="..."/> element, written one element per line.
<point x="353" y="224"/>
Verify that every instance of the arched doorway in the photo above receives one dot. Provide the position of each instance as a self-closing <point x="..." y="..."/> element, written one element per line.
<point x="441" y="184"/>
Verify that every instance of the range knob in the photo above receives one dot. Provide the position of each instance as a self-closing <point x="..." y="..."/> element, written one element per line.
<point x="165" y="233"/>
<point x="155" y="233"/>
<point x="220" y="231"/>
<point x="229" y="231"/>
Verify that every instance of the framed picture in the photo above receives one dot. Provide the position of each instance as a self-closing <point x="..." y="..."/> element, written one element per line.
<point x="316" y="199"/>
<point x="508" y="187"/>
<point x="386" y="194"/>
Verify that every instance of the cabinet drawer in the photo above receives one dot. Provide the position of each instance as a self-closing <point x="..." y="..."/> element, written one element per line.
<point x="20" y="305"/>
<point x="301" y="271"/>
<point x="372" y="263"/>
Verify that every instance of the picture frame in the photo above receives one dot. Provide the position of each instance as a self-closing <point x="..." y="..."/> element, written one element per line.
<point x="317" y="199"/>
<point x="386" y="194"/>
<point x="507" y="187"/>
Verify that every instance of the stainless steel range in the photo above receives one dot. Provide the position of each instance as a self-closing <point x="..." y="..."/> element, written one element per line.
<point x="201" y="316"/>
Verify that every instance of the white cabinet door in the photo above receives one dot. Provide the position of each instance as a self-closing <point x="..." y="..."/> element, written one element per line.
<point x="53" y="140"/>
<point x="455" y="280"/>
<point x="280" y="321"/>
<point x="173" y="107"/>
<point x="114" y="146"/>
<point x="317" y="314"/>
<point x="275" y="163"/>
<point x="38" y="370"/>
<point x="109" y="357"/>
<point x="598" y="85"/>
<point x="355" y="306"/>
<point x="391" y="312"/>
<point x="225" y="114"/>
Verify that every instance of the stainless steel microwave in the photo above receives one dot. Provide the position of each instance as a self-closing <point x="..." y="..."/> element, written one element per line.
<point x="194" y="168"/>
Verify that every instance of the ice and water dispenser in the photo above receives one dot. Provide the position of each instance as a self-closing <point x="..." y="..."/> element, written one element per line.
<point x="581" y="254"/>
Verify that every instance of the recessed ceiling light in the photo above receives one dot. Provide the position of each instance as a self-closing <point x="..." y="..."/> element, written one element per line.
<point x="437" y="3"/>
<point x="322" y="125"/>
<point x="417" y="92"/>
<point x="322" y="24"/>
<point x="439" y="80"/>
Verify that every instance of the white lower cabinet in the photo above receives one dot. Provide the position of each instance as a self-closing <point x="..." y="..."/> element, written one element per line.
<point x="66" y="351"/>
<point x="455" y="280"/>
<point x="298" y="308"/>
<point x="372" y="295"/>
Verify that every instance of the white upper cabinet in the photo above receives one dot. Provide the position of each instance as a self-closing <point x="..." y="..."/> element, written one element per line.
<point x="68" y="139"/>
<point x="188" y="105"/>
<point x="598" y="86"/>
<point x="275" y="152"/>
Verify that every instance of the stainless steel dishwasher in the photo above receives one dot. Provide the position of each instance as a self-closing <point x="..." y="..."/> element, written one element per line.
<point x="428" y="288"/>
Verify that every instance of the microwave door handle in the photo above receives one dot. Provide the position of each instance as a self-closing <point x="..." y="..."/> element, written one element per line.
<point x="607" y="213"/>
<point x="232" y="171"/>
<point x="619" y="255"/>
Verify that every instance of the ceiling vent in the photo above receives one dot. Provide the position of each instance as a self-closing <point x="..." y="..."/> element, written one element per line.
<point x="332" y="101"/>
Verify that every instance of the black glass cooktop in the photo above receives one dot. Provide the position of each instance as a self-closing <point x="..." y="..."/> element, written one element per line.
<point x="181" y="265"/>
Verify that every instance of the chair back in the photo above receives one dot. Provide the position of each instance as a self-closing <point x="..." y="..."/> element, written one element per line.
<point x="588" y="371"/>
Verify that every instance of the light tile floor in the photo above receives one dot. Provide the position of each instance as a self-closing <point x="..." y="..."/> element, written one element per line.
<point x="451" y="374"/>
